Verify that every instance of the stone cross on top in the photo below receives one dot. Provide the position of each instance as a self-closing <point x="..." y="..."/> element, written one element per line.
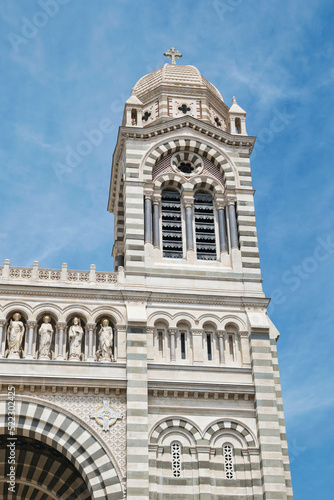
<point x="172" y="53"/>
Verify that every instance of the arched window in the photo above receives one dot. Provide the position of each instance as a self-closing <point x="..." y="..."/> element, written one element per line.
<point x="171" y="224"/>
<point x="176" y="458"/>
<point x="205" y="226"/>
<point x="228" y="461"/>
<point x="237" y="126"/>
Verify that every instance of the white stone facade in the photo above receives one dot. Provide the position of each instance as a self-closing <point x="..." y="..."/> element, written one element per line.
<point x="193" y="372"/>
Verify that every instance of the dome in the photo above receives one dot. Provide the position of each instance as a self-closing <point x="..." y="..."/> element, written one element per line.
<point x="174" y="75"/>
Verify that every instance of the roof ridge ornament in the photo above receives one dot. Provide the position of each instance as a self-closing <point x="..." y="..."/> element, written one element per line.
<point x="173" y="54"/>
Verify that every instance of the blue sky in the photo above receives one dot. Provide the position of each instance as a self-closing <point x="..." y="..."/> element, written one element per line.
<point x="71" y="69"/>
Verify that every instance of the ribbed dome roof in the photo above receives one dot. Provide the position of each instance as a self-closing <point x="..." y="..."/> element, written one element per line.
<point x="174" y="75"/>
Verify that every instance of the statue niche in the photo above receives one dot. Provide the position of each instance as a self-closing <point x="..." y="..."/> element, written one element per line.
<point x="45" y="338"/>
<point x="75" y="340"/>
<point x="15" y="332"/>
<point x="106" y="342"/>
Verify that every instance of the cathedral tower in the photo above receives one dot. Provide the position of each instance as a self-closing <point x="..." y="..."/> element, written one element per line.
<point x="160" y="380"/>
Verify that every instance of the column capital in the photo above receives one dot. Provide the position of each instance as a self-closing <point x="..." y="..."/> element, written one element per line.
<point x="243" y="333"/>
<point x="188" y="198"/>
<point x="173" y="331"/>
<point x="220" y="201"/>
<point x="197" y="331"/>
<point x="231" y="200"/>
<point x="91" y="326"/>
<point x="221" y="333"/>
<point x="148" y="193"/>
<point x="150" y="329"/>
<point x="31" y="323"/>
<point x="156" y="198"/>
<point x="61" y="325"/>
<point x="2" y="322"/>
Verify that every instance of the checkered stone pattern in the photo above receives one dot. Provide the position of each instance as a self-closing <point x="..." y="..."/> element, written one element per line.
<point x="164" y="166"/>
<point x="74" y="441"/>
<point x="82" y="406"/>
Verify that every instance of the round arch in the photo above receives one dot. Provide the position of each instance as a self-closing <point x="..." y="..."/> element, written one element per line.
<point x="209" y="151"/>
<point x="178" y="424"/>
<point x="70" y="437"/>
<point x="219" y="426"/>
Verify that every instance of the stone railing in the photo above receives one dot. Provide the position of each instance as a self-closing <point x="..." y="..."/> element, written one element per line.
<point x="63" y="275"/>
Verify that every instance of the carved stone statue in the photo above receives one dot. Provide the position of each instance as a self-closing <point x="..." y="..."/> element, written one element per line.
<point x="106" y="341"/>
<point x="45" y="338"/>
<point x="15" y="334"/>
<point x="75" y="334"/>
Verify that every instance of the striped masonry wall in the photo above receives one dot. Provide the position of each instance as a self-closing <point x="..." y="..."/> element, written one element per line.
<point x="202" y="461"/>
<point x="281" y="420"/>
<point x="134" y="227"/>
<point x="71" y="439"/>
<point x="273" y="477"/>
<point x="137" y="415"/>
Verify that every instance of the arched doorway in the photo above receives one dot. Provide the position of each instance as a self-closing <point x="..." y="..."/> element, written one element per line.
<point x="40" y="471"/>
<point x="54" y="434"/>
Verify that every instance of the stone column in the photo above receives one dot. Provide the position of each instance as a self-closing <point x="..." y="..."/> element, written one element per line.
<point x="172" y="332"/>
<point x="233" y="223"/>
<point x="198" y="351"/>
<point x="220" y="202"/>
<point x="2" y="327"/>
<point x="31" y="327"/>
<point x="150" y="347"/>
<point x="90" y="329"/>
<point x="221" y="335"/>
<point x="188" y="203"/>
<point x="148" y="219"/>
<point x="156" y="220"/>
<point x="60" y="329"/>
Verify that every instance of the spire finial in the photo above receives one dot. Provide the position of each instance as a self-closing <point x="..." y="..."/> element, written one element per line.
<point x="172" y="53"/>
<point x="234" y="100"/>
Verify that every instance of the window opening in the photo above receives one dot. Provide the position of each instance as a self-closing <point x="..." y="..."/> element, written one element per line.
<point x="176" y="459"/>
<point x="209" y="346"/>
<point x="184" y="108"/>
<point x="134" y="117"/>
<point x="230" y="343"/>
<point x="186" y="167"/>
<point x="205" y="226"/>
<point x="160" y="340"/>
<point x="228" y="461"/>
<point x="183" y="345"/>
<point x="218" y="123"/>
<point x="171" y="224"/>
<point x="238" y="126"/>
<point x="146" y="116"/>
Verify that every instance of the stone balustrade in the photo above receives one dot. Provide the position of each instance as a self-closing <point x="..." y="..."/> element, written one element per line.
<point x="63" y="275"/>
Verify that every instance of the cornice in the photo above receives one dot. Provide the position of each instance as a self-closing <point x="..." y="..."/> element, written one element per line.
<point x="151" y="297"/>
